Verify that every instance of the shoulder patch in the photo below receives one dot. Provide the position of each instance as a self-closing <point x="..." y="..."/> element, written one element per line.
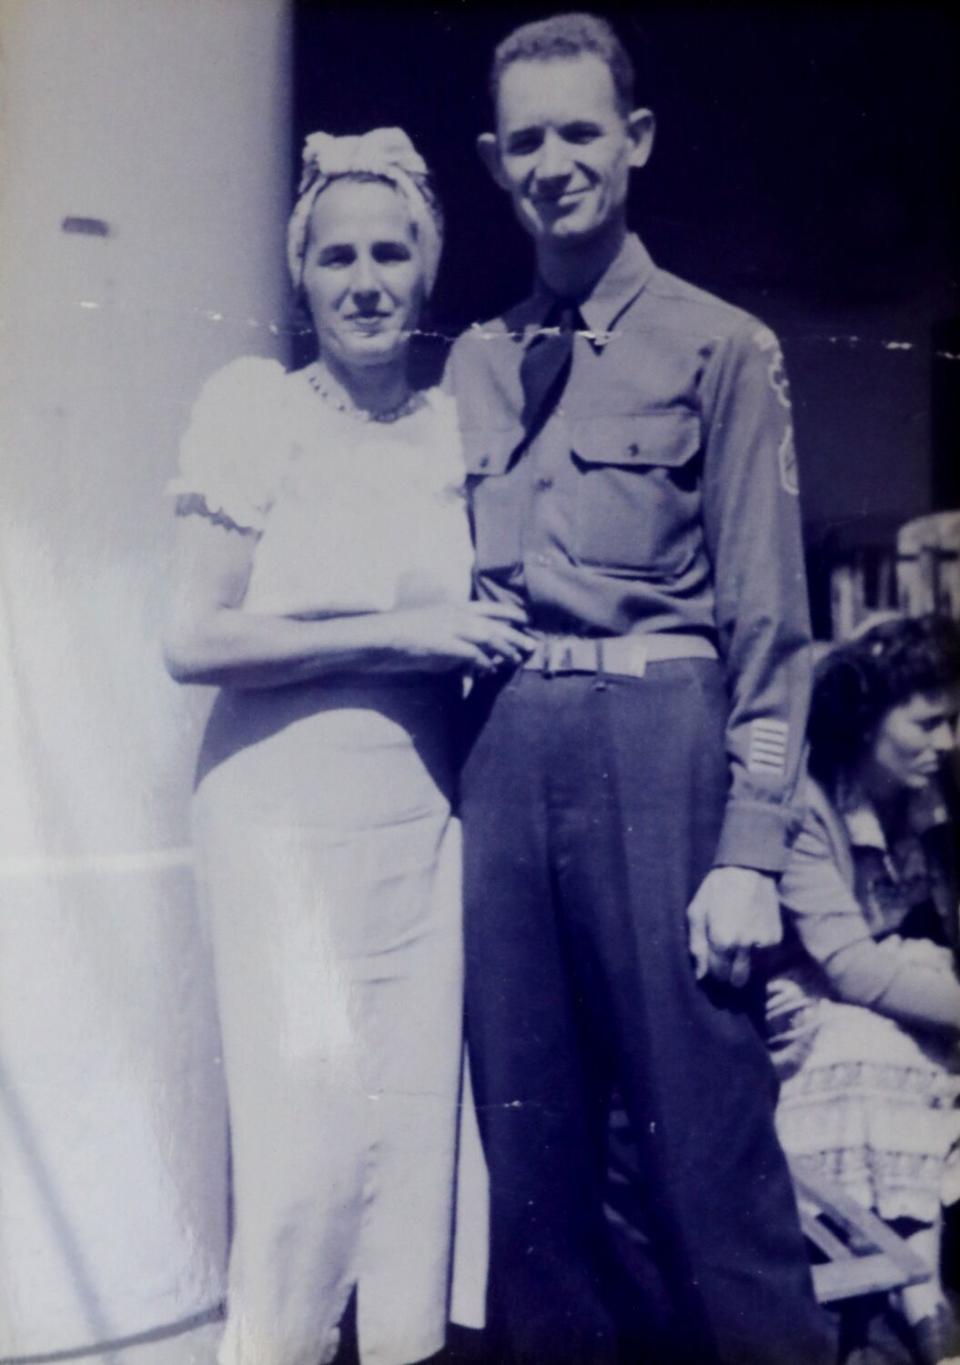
<point x="767" y="342"/>
<point x="787" y="456"/>
<point x="776" y="371"/>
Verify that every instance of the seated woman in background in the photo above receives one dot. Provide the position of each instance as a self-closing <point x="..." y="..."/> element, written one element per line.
<point x="864" y="1017"/>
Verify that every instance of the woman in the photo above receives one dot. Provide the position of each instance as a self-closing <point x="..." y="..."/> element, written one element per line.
<point x="865" y="1019"/>
<point x="323" y="573"/>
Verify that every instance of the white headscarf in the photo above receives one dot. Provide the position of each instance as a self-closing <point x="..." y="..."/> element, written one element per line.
<point x="384" y="152"/>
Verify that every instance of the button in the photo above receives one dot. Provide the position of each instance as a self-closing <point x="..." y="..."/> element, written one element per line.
<point x="544" y="482"/>
<point x="484" y="461"/>
<point x="633" y="449"/>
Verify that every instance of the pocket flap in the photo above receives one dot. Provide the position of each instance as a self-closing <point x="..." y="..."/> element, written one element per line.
<point x="648" y="438"/>
<point x="488" y="452"/>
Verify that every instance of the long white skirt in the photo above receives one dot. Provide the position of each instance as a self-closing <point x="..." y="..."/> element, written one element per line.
<point x="331" y="866"/>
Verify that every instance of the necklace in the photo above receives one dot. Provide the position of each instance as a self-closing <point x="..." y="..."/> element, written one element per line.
<point x="409" y="403"/>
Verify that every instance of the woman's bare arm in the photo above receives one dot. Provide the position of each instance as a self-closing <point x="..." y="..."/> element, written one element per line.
<point x="209" y="639"/>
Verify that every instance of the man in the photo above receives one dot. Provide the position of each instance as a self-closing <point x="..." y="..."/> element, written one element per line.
<point x="633" y="487"/>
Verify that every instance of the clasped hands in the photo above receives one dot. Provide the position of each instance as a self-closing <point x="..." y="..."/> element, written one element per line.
<point x="481" y="636"/>
<point x="735" y="911"/>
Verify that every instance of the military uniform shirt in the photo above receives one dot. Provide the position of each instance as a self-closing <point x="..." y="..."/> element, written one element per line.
<point x="660" y="495"/>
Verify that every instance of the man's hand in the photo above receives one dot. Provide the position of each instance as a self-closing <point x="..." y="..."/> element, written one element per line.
<point x="735" y="910"/>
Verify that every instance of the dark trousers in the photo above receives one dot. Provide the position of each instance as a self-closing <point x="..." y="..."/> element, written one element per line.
<point x="591" y="812"/>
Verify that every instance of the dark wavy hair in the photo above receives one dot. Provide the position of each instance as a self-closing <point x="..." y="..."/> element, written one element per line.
<point x="860" y="681"/>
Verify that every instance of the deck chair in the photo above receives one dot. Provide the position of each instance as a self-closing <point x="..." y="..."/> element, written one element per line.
<point x="855" y="1252"/>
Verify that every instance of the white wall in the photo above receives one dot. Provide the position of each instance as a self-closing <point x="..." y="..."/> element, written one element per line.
<point x="167" y="119"/>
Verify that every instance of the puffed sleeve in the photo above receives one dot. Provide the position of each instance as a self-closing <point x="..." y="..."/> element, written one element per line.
<point x="229" y="452"/>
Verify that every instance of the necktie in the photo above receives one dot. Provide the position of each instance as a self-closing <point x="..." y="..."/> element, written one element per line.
<point x="546" y="363"/>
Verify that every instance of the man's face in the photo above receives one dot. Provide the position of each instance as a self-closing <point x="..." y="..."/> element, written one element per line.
<point x="563" y="147"/>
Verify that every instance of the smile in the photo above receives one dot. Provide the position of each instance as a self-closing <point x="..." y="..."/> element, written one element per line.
<point x="558" y="200"/>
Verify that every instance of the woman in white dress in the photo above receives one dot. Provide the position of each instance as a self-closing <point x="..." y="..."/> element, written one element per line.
<point x="322" y="580"/>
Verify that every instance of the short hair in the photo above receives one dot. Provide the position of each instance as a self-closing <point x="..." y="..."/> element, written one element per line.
<point x="857" y="683"/>
<point x="567" y="35"/>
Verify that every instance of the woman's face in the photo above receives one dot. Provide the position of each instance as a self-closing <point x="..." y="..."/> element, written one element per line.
<point x="914" y="738"/>
<point x="362" y="274"/>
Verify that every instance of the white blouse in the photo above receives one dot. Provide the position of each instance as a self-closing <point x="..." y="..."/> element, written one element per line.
<point x="352" y="516"/>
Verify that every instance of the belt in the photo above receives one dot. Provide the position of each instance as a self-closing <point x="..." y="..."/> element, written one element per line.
<point x="627" y="654"/>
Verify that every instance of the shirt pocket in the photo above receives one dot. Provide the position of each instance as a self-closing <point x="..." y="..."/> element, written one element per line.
<point x="493" y="498"/>
<point x="638" y="497"/>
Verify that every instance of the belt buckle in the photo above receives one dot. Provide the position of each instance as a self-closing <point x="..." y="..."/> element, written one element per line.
<point x="548" y="645"/>
<point x="557" y="656"/>
<point x="568" y="654"/>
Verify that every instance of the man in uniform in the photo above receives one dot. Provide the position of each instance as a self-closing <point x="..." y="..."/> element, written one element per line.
<point x="627" y="798"/>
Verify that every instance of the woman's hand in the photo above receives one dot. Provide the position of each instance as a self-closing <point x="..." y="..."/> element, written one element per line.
<point x="481" y="635"/>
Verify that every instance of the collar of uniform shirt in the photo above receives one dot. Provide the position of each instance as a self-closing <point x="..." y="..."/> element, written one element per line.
<point x="627" y="276"/>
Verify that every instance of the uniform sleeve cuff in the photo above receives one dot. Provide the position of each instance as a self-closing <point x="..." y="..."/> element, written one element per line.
<point x="755" y="834"/>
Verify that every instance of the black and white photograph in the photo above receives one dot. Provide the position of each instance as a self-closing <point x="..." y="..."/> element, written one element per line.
<point x="479" y="683"/>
